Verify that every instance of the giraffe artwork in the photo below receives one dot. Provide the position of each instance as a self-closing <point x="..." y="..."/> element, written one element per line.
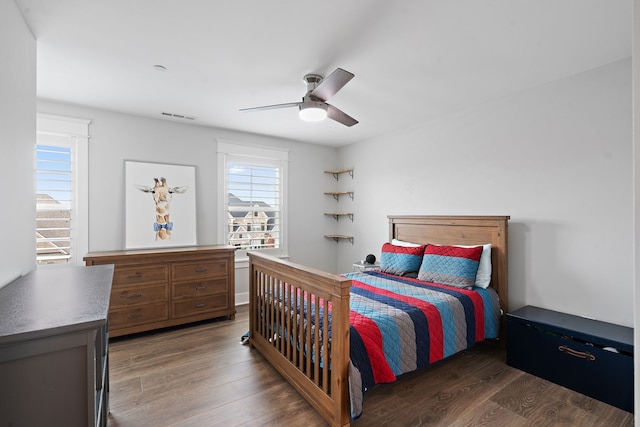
<point x="162" y="195"/>
<point x="159" y="205"/>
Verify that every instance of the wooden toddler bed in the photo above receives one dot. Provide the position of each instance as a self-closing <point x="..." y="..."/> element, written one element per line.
<point x="300" y="317"/>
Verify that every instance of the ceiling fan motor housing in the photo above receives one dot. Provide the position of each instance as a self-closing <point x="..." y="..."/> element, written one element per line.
<point x="312" y="81"/>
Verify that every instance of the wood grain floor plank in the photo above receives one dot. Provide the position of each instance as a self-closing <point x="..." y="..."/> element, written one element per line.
<point x="604" y="414"/>
<point x="490" y="414"/>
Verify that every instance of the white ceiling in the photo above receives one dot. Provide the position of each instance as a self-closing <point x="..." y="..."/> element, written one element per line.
<point x="413" y="60"/>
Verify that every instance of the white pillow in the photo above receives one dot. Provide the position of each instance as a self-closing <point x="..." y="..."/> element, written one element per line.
<point x="483" y="276"/>
<point x="405" y="244"/>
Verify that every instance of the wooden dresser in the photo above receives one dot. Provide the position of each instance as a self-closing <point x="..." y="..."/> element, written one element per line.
<point x="167" y="287"/>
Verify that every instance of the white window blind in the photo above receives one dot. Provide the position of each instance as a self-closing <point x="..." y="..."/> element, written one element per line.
<point x="62" y="192"/>
<point x="253" y="206"/>
<point x="54" y="199"/>
<point x="253" y="198"/>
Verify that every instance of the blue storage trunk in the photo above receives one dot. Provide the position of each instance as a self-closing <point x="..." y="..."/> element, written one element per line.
<point x="591" y="357"/>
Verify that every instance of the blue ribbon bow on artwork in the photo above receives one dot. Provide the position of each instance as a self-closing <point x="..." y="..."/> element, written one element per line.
<point x="167" y="226"/>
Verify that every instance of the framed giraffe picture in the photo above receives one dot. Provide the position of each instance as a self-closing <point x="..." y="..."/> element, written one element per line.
<point x="160" y="205"/>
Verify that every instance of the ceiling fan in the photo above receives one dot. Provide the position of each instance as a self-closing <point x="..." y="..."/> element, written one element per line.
<point x="313" y="106"/>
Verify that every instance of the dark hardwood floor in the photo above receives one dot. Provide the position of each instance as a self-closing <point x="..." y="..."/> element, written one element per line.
<point x="201" y="376"/>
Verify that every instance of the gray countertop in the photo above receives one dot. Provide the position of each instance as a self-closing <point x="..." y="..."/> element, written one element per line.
<point x="54" y="301"/>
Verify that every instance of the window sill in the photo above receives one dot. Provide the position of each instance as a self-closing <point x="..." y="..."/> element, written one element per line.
<point x="244" y="261"/>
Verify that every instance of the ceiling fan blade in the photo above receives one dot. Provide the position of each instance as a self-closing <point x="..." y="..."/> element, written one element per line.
<point x="272" y="107"/>
<point x="332" y="84"/>
<point x="340" y="116"/>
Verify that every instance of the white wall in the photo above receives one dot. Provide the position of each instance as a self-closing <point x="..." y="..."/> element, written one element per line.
<point x="116" y="137"/>
<point x="17" y="136"/>
<point x="636" y="160"/>
<point x="556" y="158"/>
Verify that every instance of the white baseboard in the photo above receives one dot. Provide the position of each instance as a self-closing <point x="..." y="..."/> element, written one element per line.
<point x="242" y="298"/>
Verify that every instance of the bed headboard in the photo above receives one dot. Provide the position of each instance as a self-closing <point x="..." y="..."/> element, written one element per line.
<point x="460" y="230"/>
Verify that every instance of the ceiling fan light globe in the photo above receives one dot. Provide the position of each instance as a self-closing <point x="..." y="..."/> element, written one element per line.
<point x="313" y="113"/>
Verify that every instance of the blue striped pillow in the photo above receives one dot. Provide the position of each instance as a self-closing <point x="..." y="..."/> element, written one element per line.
<point x="450" y="265"/>
<point x="400" y="260"/>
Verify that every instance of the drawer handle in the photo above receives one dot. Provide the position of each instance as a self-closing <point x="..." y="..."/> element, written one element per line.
<point x="134" y="316"/>
<point x="134" y="276"/>
<point x="201" y="287"/>
<point x="133" y="296"/>
<point x="204" y="304"/>
<point x="580" y="354"/>
<point x="200" y="270"/>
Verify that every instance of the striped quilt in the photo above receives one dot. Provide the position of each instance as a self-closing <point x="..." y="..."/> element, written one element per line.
<point x="400" y="324"/>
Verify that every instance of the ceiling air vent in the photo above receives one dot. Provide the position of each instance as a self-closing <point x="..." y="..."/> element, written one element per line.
<point x="179" y="116"/>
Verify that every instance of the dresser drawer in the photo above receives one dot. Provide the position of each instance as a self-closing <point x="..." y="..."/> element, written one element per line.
<point x="199" y="288"/>
<point x="140" y="274"/>
<point x="123" y="297"/>
<point x="138" y="315"/>
<point x="194" y="306"/>
<point x="186" y="271"/>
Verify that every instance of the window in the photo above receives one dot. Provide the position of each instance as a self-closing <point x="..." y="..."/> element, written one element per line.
<point x="61" y="191"/>
<point x="54" y="195"/>
<point x="253" y="205"/>
<point x="253" y="196"/>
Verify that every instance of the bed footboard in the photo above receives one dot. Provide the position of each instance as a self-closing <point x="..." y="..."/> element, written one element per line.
<point x="292" y="308"/>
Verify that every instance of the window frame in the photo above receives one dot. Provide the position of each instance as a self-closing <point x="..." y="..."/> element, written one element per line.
<point x="231" y="152"/>
<point x="77" y="130"/>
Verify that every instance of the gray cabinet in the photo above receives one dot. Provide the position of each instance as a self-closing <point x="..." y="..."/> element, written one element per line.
<point x="54" y="364"/>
